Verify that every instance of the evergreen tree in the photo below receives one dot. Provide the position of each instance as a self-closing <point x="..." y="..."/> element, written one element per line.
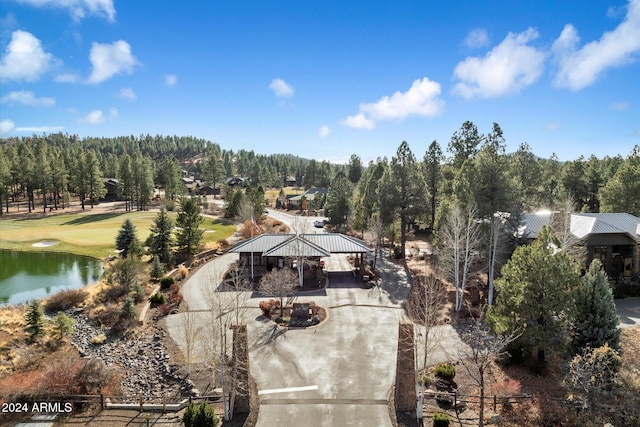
<point x="128" y="310"/>
<point x="595" y="322"/>
<point x="534" y="294"/>
<point x="157" y="270"/>
<point x="355" y="169"/>
<point x="63" y="323"/>
<point x="161" y="239"/>
<point x="35" y="320"/>
<point x="95" y="188"/>
<point x="431" y="169"/>
<point x="189" y="219"/>
<point x="127" y="241"/>
<point x="622" y="192"/>
<point x="464" y="143"/>
<point x="339" y="196"/>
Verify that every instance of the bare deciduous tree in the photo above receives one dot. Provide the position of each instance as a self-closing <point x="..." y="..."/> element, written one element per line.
<point x="424" y="306"/>
<point x="484" y="348"/>
<point x="375" y="227"/>
<point x="279" y="283"/>
<point x="459" y="241"/>
<point x="189" y="331"/>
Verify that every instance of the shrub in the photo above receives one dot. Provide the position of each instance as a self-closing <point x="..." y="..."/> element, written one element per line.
<point x="267" y="305"/>
<point x="128" y="310"/>
<point x="165" y="309"/>
<point x="426" y="380"/>
<point x="158" y="299"/>
<point x="166" y="282"/>
<point x="201" y="415"/>
<point x="138" y="292"/>
<point x="176" y="297"/>
<point x="183" y="271"/>
<point x="107" y="315"/>
<point x="99" y="339"/>
<point x="509" y="387"/>
<point x="169" y="205"/>
<point x="440" y="419"/>
<point x="223" y="243"/>
<point x="65" y="300"/>
<point x="445" y="371"/>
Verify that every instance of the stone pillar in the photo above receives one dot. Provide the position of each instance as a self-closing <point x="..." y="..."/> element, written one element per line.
<point x="241" y="360"/>
<point x="405" y="391"/>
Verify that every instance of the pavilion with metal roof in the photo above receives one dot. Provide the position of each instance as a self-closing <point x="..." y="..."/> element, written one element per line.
<point x="266" y="251"/>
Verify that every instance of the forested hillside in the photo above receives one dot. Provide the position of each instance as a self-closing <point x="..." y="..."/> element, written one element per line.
<point x="471" y="167"/>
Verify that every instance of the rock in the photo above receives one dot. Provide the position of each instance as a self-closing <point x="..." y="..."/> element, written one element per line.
<point x="496" y="419"/>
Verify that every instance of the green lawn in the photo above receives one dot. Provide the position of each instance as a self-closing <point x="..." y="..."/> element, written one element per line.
<point x="88" y="234"/>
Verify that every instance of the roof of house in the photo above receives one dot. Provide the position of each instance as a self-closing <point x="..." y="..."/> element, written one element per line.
<point x="585" y="224"/>
<point x="307" y="245"/>
<point x="310" y="194"/>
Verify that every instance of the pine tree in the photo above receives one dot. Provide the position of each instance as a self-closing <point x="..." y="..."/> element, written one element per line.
<point x="157" y="270"/>
<point x="595" y="320"/>
<point x="127" y="241"/>
<point x="128" y="310"/>
<point x="189" y="220"/>
<point x="35" y="320"/>
<point x="161" y="239"/>
<point x="63" y="323"/>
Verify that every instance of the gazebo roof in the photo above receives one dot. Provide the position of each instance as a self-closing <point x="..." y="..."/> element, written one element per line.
<point x="307" y="245"/>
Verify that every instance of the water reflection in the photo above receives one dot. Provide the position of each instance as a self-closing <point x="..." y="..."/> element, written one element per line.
<point x="28" y="275"/>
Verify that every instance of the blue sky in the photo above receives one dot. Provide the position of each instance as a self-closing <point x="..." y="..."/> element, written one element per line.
<point x="326" y="79"/>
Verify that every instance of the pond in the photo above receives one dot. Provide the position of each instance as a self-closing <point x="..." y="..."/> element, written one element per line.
<point x="29" y="275"/>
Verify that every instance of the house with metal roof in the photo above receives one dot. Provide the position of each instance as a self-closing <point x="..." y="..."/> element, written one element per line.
<point x="613" y="238"/>
<point x="268" y="251"/>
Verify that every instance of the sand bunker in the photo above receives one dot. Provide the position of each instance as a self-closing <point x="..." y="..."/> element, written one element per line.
<point x="45" y="243"/>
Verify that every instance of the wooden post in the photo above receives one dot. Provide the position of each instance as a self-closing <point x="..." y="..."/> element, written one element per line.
<point x="495" y="402"/>
<point x="164" y="403"/>
<point x="101" y="401"/>
<point x="141" y="405"/>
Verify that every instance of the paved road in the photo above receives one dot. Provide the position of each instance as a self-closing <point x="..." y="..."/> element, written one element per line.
<point x="339" y="373"/>
<point x="628" y="311"/>
<point x="303" y="223"/>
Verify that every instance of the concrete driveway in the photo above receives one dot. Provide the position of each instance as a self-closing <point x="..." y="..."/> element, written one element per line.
<point x="628" y="311"/>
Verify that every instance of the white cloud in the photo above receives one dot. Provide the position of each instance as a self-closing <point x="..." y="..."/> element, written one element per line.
<point x="78" y="8"/>
<point x="619" y="106"/>
<point x="281" y="88"/>
<point x="24" y="58"/>
<point x="476" y="38"/>
<point x="67" y="78"/>
<point x="552" y="126"/>
<point x="170" y="79"/>
<point x="579" y="68"/>
<point x="39" y="129"/>
<point x="324" y="131"/>
<point x="27" y="98"/>
<point x="422" y="99"/>
<point x="6" y="126"/>
<point x="127" y="93"/>
<point x="110" y="59"/>
<point x="93" y="118"/>
<point x="507" y="68"/>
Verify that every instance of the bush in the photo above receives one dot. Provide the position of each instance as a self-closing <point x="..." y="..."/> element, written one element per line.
<point x="223" y="243"/>
<point x="440" y="419"/>
<point x="138" y="293"/>
<point x="157" y="269"/>
<point x="201" y="415"/>
<point x="509" y="387"/>
<point x="445" y="371"/>
<point x="166" y="282"/>
<point x="165" y="309"/>
<point x="169" y="205"/>
<point x="426" y="380"/>
<point x="183" y="271"/>
<point x="158" y="299"/>
<point x="128" y="310"/>
<point x="99" y="339"/>
<point x="107" y="315"/>
<point x="65" y="300"/>
<point x="267" y="305"/>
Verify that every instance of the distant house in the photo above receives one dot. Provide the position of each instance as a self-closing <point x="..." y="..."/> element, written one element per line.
<point x="111" y="184"/>
<point x="290" y="181"/>
<point x="314" y="196"/>
<point x="613" y="238"/>
<point x="268" y="251"/>
<point x="236" y="181"/>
